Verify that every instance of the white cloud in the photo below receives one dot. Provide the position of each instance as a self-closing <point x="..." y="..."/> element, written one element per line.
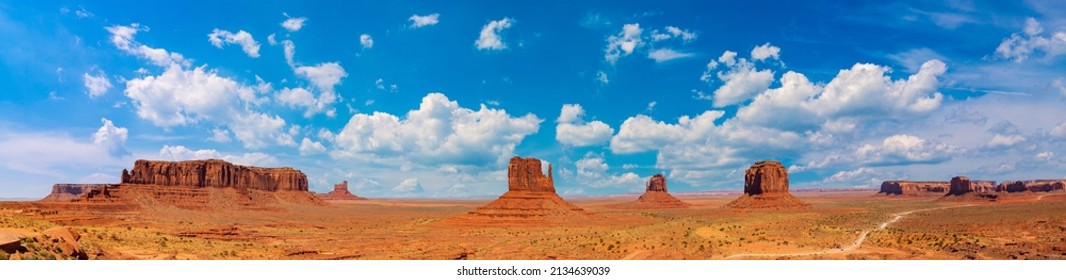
<point x="741" y="82"/>
<point x="651" y="106"/>
<point x="905" y="149"/>
<point x="296" y="97"/>
<point x="219" y="37"/>
<point x="50" y="154"/>
<point x="271" y="40"/>
<point x="290" y="51"/>
<point x="220" y="135"/>
<point x="96" y="86"/>
<point x="1045" y="156"/>
<point x="409" y="185"/>
<point x="325" y="77"/>
<point x="1059" y="131"/>
<point x="179" y="153"/>
<point x="666" y="54"/>
<point x="426" y="20"/>
<point x="122" y="38"/>
<point x="490" y="35"/>
<point x="624" y="43"/>
<point x="602" y="78"/>
<point x="641" y="133"/>
<point x="1020" y="46"/>
<point x="293" y="24"/>
<point x="1000" y="140"/>
<point x="765" y="51"/>
<point x="438" y="132"/>
<point x="673" y="32"/>
<point x="308" y="147"/>
<point x="592" y="171"/>
<point x="366" y="41"/>
<point x="111" y="137"/>
<point x="573" y="131"/>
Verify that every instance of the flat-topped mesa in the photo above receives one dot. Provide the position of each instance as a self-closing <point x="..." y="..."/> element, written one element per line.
<point x="766" y="186"/>
<point x="214" y="173"/>
<point x="340" y="192"/>
<point x="960" y="185"/>
<point x="657" y="183"/>
<point x="914" y="187"/>
<point x="524" y="174"/>
<point x="1032" y="186"/>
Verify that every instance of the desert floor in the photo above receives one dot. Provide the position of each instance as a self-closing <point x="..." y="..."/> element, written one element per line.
<point x="838" y="225"/>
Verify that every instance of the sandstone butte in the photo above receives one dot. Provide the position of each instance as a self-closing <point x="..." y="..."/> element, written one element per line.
<point x="766" y="187"/>
<point x="340" y="192"/>
<point x="193" y="184"/>
<point x="655" y="196"/>
<point x="530" y="199"/>
<point x="915" y="188"/>
<point x="962" y="188"/>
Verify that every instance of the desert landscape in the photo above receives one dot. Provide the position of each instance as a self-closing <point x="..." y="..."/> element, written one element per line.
<point x="212" y="209"/>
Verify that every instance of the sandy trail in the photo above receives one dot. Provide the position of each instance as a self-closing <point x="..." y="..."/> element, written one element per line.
<point x="854" y="245"/>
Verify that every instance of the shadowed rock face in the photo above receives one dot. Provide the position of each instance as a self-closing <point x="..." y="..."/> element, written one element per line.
<point x="61" y="192"/>
<point x="766" y="177"/>
<point x="1032" y="186"/>
<point x="524" y="174"/>
<point x="657" y="183"/>
<point x="914" y="187"/>
<point x="214" y="173"/>
<point x="960" y="185"/>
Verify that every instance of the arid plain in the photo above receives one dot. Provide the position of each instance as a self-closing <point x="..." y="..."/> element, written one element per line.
<point x="1032" y="226"/>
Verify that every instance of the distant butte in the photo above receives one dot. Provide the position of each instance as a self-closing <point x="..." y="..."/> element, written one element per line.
<point x="530" y="199"/>
<point x="340" y="192"/>
<point x="766" y="187"/>
<point x="655" y="196"/>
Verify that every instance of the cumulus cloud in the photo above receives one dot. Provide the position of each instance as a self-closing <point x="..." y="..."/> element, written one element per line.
<point x="905" y="149"/>
<point x="602" y="78"/>
<point x="438" y="132"/>
<point x="293" y="24"/>
<point x="52" y="154"/>
<point x="489" y="39"/>
<point x="623" y="43"/>
<point x="666" y="54"/>
<point x="220" y="135"/>
<point x="366" y="41"/>
<point x="673" y="32"/>
<point x="219" y="37"/>
<point x="573" y="131"/>
<point x="1003" y="141"/>
<point x="325" y="77"/>
<point x="179" y="153"/>
<point x="1020" y="46"/>
<point x="426" y="20"/>
<point x="290" y="51"/>
<point x="765" y="51"/>
<point x="592" y="170"/>
<point x="96" y="86"/>
<point x="408" y="186"/>
<point x="740" y="82"/>
<point x="111" y="138"/>
<point x="308" y="147"/>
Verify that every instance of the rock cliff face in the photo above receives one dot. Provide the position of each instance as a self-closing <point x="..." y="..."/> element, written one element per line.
<point x="766" y="186"/>
<point x="68" y="192"/>
<point x="1031" y="186"/>
<point x="214" y="173"/>
<point x="983" y="186"/>
<point x="524" y="174"/>
<point x="655" y="196"/>
<point x="657" y="183"/>
<point x="340" y="192"/>
<point x="530" y="200"/>
<point x="960" y="185"/>
<point x="914" y="187"/>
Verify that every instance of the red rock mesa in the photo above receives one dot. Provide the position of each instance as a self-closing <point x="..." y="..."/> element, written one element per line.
<point x="655" y="196"/>
<point x="340" y="192"/>
<point x="530" y="196"/>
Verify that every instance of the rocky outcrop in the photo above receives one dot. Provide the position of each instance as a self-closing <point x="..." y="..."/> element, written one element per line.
<point x="340" y="192"/>
<point x="914" y="187"/>
<point x="1032" y="186"/>
<point x="960" y="185"/>
<point x="68" y="192"/>
<point x="982" y="186"/>
<point x="655" y="196"/>
<point x="524" y="174"/>
<point x="766" y="186"/>
<point x="530" y="199"/>
<point x="214" y="173"/>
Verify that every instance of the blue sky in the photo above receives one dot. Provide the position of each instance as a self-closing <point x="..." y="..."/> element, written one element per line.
<point x="430" y="99"/>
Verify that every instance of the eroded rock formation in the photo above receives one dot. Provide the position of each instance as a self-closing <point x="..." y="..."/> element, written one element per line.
<point x="340" y="192"/>
<point x="1032" y="186"/>
<point x="655" y="196"/>
<point x="530" y="199"/>
<point x="960" y="185"/>
<point x="68" y="192"/>
<point x="914" y="187"/>
<point x="656" y="183"/>
<point x="214" y="173"/>
<point x="766" y="186"/>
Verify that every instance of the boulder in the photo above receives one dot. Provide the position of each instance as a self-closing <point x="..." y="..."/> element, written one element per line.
<point x="66" y="240"/>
